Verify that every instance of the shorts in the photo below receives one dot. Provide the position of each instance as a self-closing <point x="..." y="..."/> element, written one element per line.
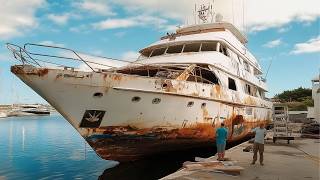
<point x="221" y="148"/>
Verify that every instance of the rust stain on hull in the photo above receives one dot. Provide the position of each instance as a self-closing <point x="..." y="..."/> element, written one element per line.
<point x="125" y="143"/>
<point x="20" y="70"/>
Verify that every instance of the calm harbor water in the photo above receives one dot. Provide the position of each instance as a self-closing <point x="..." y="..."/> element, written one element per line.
<point x="47" y="147"/>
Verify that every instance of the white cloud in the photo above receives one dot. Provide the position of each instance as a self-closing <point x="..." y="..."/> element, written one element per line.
<point x="17" y="17"/>
<point x="257" y="15"/>
<point x="284" y="29"/>
<point x="130" y="55"/>
<point x="262" y="15"/>
<point x="59" y="19"/>
<point x="115" y="23"/>
<point x="311" y="46"/>
<point x="131" y="22"/>
<point x="274" y="43"/>
<point x="51" y="43"/>
<point x="96" y="7"/>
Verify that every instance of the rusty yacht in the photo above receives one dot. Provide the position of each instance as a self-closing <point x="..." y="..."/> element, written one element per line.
<point x="172" y="97"/>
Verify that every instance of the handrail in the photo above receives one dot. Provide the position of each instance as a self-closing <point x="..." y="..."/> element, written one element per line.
<point x="14" y="51"/>
<point x="56" y="47"/>
<point x="26" y="57"/>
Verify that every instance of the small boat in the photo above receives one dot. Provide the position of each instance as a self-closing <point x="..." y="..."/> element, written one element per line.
<point x="29" y="110"/>
<point x="3" y="115"/>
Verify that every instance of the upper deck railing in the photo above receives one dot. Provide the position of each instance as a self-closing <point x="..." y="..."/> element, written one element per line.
<point x="27" y="56"/>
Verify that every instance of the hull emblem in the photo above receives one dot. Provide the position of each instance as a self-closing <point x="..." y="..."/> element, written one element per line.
<point x="92" y="118"/>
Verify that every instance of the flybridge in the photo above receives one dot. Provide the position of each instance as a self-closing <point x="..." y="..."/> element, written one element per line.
<point x="207" y="21"/>
<point x="208" y="27"/>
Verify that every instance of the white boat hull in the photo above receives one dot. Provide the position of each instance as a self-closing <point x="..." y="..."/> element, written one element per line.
<point x="125" y="117"/>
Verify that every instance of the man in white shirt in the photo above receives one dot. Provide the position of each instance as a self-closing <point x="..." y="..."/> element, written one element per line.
<point x="258" y="145"/>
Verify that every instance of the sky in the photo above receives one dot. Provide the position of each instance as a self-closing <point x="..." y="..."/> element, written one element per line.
<point x="285" y="34"/>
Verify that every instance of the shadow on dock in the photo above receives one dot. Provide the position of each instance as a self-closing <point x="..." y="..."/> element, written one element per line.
<point x="159" y="165"/>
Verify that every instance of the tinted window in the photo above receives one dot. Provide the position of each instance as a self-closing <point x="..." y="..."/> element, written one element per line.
<point x="248" y="89"/>
<point x="175" y="49"/>
<point x="209" y="77"/>
<point x="232" y="84"/>
<point x="158" y="52"/>
<point x="192" y="47"/>
<point x="223" y="50"/>
<point x="211" y="46"/>
<point x="146" y="52"/>
<point x="246" y="66"/>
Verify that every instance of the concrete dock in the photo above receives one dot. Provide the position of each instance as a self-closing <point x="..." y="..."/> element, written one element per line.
<point x="298" y="160"/>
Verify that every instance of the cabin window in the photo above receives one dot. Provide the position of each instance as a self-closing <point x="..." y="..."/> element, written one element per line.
<point x="210" y="46"/>
<point x="209" y="77"/>
<point x="158" y="52"/>
<point x="192" y="47"/>
<point x="135" y="99"/>
<point x="256" y="72"/>
<point x="174" y="49"/>
<point x="156" y="101"/>
<point x="232" y="84"/>
<point x="240" y="59"/>
<point x="248" y="89"/>
<point x="147" y="52"/>
<point x="203" y="75"/>
<point x="98" y="94"/>
<point x="246" y="66"/>
<point x="254" y="91"/>
<point x="223" y="50"/>
<point x="262" y="94"/>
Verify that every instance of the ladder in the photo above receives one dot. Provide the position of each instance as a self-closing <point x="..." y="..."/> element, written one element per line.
<point x="280" y="123"/>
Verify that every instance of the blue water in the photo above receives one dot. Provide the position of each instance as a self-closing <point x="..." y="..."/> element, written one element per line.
<point x="46" y="147"/>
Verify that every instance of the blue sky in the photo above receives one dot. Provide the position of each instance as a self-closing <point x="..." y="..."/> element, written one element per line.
<point x="287" y="35"/>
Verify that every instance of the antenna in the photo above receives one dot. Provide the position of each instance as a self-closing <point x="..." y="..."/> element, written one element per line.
<point x="204" y="12"/>
<point x="194" y="13"/>
<point x="269" y="66"/>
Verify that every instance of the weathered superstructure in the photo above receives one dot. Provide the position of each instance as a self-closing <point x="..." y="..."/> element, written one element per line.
<point x="173" y="97"/>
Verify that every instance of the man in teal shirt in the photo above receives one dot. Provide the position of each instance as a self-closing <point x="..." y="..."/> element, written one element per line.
<point x="221" y="137"/>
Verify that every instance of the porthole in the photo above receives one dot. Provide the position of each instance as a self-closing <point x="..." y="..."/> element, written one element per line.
<point x="156" y="101"/>
<point x="190" y="104"/>
<point x="136" y="99"/>
<point x="98" y="94"/>
<point x="203" y="105"/>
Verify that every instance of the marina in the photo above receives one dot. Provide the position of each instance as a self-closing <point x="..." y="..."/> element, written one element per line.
<point x="15" y="110"/>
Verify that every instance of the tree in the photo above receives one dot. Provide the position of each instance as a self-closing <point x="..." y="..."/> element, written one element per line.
<point x="297" y="99"/>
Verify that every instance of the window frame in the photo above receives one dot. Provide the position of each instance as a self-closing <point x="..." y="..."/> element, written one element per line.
<point x="235" y="84"/>
<point x="165" y="47"/>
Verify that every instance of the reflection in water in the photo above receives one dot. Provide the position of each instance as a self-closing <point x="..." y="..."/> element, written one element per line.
<point x="155" y="167"/>
<point x="158" y="166"/>
<point x="23" y="136"/>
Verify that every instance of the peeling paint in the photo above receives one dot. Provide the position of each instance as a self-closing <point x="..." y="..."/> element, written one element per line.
<point x="21" y="70"/>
